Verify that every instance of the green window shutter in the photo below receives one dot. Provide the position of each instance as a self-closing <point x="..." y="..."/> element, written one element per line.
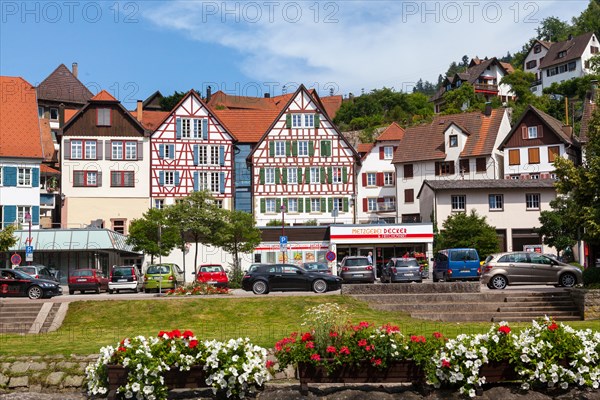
<point x="272" y="149"/>
<point x="288" y="148"/>
<point x="307" y="175"/>
<point x="295" y="148"/>
<point x="262" y="176"/>
<point x="323" y="204"/>
<point x="307" y="201"/>
<point x="263" y="206"/>
<point x="288" y="121"/>
<point x="346" y="205"/>
<point x="300" y="205"/>
<point x="345" y="175"/>
<point x="311" y="149"/>
<point x="285" y="203"/>
<point x="277" y="176"/>
<point x="325" y="148"/>
<point x="299" y="176"/>
<point x="330" y="204"/>
<point x="317" y="120"/>
<point x="284" y="175"/>
<point x="322" y="174"/>
<point x="277" y="204"/>
<point x="329" y="174"/>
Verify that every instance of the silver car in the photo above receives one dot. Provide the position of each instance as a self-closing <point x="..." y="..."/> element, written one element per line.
<point x="356" y="269"/>
<point x="402" y="269"/>
<point x="525" y="268"/>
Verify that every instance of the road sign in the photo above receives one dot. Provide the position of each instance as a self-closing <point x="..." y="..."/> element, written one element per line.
<point x="15" y="259"/>
<point x="330" y="256"/>
<point x="28" y="253"/>
<point x="334" y="213"/>
<point x="283" y="247"/>
<point x="283" y="240"/>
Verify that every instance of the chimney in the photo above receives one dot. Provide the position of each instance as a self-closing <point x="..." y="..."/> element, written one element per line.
<point x="61" y="115"/>
<point x="75" y="70"/>
<point x="267" y="95"/>
<point x="568" y="130"/>
<point x="140" y="110"/>
<point x="594" y="91"/>
<point x="208" y="93"/>
<point x="488" y="109"/>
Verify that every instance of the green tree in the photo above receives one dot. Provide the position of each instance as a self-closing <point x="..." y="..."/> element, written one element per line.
<point x="152" y="235"/>
<point x="168" y="103"/>
<point x="238" y="234"/>
<point x="468" y="230"/>
<point x="462" y="99"/>
<point x="557" y="226"/>
<point x="553" y="29"/>
<point x="588" y="20"/>
<point x="7" y="239"/>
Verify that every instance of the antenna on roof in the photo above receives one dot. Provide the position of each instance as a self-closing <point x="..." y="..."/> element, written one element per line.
<point x="284" y="90"/>
<point x="331" y="91"/>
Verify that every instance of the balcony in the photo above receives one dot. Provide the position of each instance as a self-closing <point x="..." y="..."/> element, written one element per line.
<point x="386" y="207"/>
<point x="485" y="88"/>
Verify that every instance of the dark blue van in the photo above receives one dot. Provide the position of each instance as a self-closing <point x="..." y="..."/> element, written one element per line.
<point x="456" y="264"/>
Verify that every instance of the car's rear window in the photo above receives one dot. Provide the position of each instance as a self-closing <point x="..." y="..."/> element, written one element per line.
<point x="83" y="272"/>
<point x="123" y="271"/>
<point x="464" y="255"/>
<point x="158" y="269"/>
<point x="316" y="267"/>
<point x="212" y="268"/>
<point x="356" y="262"/>
<point x="27" y="270"/>
<point x="406" y="263"/>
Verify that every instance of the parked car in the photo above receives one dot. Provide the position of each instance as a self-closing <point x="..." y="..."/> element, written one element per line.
<point x="213" y="274"/>
<point x="456" y="264"/>
<point x="87" y="279"/>
<point x="524" y="268"/>
<point x="15" y="283"/>
<point x="356" y="269"/>
<point x="38" y="271"/>
<point x="402" y="270"/>
<point x="265" y="278"/>
<point x="316" y="267"/>
<point x="125" y="278"/>
<point x="162" y="276"/>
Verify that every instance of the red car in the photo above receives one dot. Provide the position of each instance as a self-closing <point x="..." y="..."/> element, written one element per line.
<point x="213" y="274"/>
<point x="87" y="279"/>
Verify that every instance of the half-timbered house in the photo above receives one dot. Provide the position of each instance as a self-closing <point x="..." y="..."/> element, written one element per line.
<point x="105" y="166"/>
<point x="191" y="150"/>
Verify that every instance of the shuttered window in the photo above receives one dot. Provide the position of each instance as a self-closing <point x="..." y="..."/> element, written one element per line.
<point x="534" y="155"/>
<point x="553" y="153"/>
<point x="514" y="157"/>
<point x="409" y="195"/>
<point x="408" y="170"/>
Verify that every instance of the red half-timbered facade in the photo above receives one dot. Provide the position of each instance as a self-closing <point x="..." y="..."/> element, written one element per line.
<point x="303" y="166"/>
<point x="190" y="151"/>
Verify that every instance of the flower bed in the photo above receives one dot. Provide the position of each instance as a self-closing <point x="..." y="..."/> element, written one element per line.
<point x="197" y="289"/>
<point x="146" y="368"/>
<point x="545" y="354"/>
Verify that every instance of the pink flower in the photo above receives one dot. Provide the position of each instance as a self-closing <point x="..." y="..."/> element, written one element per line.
<point x="345" y="350"/>
<point x="333" y="334"/>
<point x="445" y="364"/>
<point x="376" y="361"/>
<point x="331" y="349"/>
<point x="310" y="345"/>
<point x="362" y="342"/>
<point x="315" y="357"/>
<point x="270" y="364"/>
<point x="437" y="335"/>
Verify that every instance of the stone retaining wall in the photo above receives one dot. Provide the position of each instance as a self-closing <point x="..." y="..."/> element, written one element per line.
<point x="421" y="288"/>
<point x="588" y="302"/>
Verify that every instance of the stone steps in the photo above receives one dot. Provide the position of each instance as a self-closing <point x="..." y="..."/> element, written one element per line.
<point x="23" y="318"/>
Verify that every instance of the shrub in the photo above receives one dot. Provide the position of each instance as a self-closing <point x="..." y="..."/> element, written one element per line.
<point x="591" y="276"/>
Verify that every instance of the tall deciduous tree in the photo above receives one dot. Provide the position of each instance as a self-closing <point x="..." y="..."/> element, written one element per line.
<point x="462" y="99"/>
<point x="558" y="228"/>
<point x="470" y="231"/>
<point x="553" y="29"/>
<point x="152" y="235"/>
<point x="7" y="240"/>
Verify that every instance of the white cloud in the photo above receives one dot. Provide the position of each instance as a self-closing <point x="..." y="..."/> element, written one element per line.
<point x="358" y="44"/>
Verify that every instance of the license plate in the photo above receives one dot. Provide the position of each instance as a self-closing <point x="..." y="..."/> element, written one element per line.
<point x="464" y="271"/>
<point x="211" y="282"/>
<point x="359" y="275"/>
<point x="81" y="280"/>
<point x="121" y="280"/>
<point x="158" y="278"/>
<point x="407" y="274"/>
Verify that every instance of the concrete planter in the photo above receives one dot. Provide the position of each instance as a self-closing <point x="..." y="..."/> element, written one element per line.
<point x="588" y="302"/>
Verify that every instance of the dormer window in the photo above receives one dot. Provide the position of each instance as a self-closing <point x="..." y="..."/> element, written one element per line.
<point x="103" y="117"/>
<point x="532" y="132"/>
<point x="562" y="54"/>
<point x="537" y="48"/>
<point x="449" y="87"/>
<point x="453" y="142"/>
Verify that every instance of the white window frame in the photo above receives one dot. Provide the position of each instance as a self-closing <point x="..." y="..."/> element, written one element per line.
<point x="315" y="205"/>
<point x="338" y="203"/>
<point x="292" y="205"/>
<point x="159" y="203"/>
<point x="303" y="148"/>
<point x="131" y="150"/>
<point x="280" y="148"/>
<point x="303" y="120"/>
<point x="315" y="175"/>
<point x="498" y="202"/>
<point x="388" y="179"/>
<point x="292" y="175"/>
<point x="116" y="152"/>
<point x="458" y="202"/>
<point x="336" y="173"/>
<point x="40" y="112"/>
<point x="77" y="149"/>
<point x="371" y="179"/>
<point x="534" y="176"/>
<point x="90" y="150"/>
<point x="214" y="155"/>
<point x="0" y="180"/>
<point x="169" y="178"/>
<point x="296" y="120"/>
<point x="167" y="152"/>
<point x="91" y="178"/>
<point x="372" y="204"/>
<point x="203" y="155"/>
<point x="203" y="180"/>
<point x="24" y="177"/>
<point x="269" y="176"/>
<point x="270" y="206"/>
<point x="21" y="211"/>
<point x="186" y="128"/>
<point x="453" y="141"/>
<point x="532" y="132"/>
<point x="388" y="152"/>
<point x="215" y="182"/>
<point x="309" y="120"/>
<point x="389" y="203"/>
<point x="532" y="201"/>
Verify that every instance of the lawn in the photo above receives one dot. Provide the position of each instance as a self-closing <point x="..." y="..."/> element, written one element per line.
<point x="92" y="324"/>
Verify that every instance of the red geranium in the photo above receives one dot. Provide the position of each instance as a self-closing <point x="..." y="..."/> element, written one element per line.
<point x="306" y="337"/>
<point x="437" y="335"/>
<point x="362" y="342"/>
<point x="270" y="364"/>
<point x="504" y="329"/>
<point x="331" y="349"/>
<point x="193" y="343"/>
<point x="310" y="345"/>
<point x="445" y="364"/>
<point x="315" y="357"/>
<point x="345" y="350"/>
<point x="553" y="326"/>
<point x="188" y="334"/>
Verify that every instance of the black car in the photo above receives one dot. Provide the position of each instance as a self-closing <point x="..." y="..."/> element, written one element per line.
<point x="15" y="283"/>
<point x="287" y="277"/>
<point x="316" y="267"/>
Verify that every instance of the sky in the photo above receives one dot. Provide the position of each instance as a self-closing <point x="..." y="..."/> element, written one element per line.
<point x="133" y="48"/>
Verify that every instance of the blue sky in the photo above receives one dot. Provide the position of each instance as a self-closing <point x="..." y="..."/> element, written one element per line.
<point x="133" y="48"/>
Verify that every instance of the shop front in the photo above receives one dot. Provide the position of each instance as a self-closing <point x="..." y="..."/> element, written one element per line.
<point x="382" y="241"/>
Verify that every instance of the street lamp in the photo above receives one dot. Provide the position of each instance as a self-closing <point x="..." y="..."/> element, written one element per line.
<point x="28" y="220"/>
<point x="283" y="249"/>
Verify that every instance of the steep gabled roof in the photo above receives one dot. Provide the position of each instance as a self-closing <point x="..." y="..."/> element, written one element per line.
<point x="394" y="132"/>
<point x="20" y="134"/>
<point x="151" y="119"/>
<point x="332" y="104"/>
<point x="363" y="149"/>
<point x="426" y="141"/>
<point x="62" y="86"/>
<point x="48" y="149"/>
<point x="221" y="100"/>
<point x="153" y="101"/>
<point x="315" y="97"/>
<point x="104" y="96"/>
<point x="574" y="48"/>
<point x="247" y="126"/>
<point x="562" y="131"/>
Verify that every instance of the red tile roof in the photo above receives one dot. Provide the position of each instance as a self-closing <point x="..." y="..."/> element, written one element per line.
<point x="69" y="114"/>
<point x="221" y="100"/>
<point x="50" y="153"/>
<point x="393" y="132"/>
<point x="363" y="149"/>
<point x="103" y="96"/>
<point x="332" y="104"/>
<point x="61" y="85"/>
<point x="151" y="120"/>
<point x="19" y="121"/>
<point x="247" y="126"/>
<point x="48" y="170"/>
<point x="426" y="142"/>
